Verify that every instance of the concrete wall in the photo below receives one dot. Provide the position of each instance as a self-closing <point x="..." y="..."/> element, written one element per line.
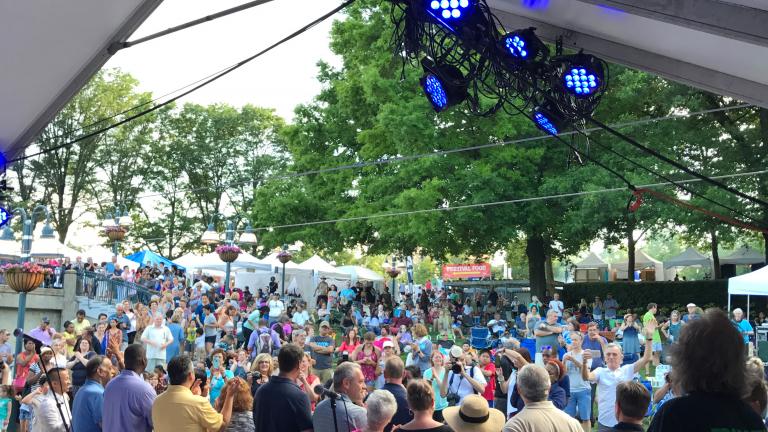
<point x="58" y="305"/>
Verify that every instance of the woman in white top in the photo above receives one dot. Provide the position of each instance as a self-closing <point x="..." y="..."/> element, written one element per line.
<point x="580" y="404"/>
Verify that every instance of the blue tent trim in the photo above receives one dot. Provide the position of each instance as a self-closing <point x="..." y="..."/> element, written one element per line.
<point x="148" y="258"/>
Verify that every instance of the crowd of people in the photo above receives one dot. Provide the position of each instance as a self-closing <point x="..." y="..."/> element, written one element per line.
<point x="198" y="357"/>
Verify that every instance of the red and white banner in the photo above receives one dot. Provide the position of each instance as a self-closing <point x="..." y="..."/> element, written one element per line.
<point x="466" y="271"/>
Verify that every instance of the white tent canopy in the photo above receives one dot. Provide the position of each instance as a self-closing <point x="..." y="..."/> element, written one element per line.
<point x="749" y="284"/>
<point x="323" y="268"/>
<point x="211" y="261"/>
<point x="744" y="256"/>
<point x="272" y="260"/>
<point x="687" y="258"/>
<point x="592" y="261"/>
<point x="754" y="283"/>
<point x="642" y="261"/>
<point x="361" y="273"/>
<point x="102" y="254"/>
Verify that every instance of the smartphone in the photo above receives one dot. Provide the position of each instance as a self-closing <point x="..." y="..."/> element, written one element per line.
<point x="595" y="354"/>
<point x="216" y="363"/>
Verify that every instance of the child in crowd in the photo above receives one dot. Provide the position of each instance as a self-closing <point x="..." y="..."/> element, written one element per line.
<point x="6" y="392"/>
<point x="191" y="336"/>
<point x="200" y="352"/>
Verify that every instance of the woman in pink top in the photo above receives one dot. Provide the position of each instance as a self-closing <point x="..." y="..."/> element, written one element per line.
<point x="349" y="343"/>
<point x="367" y="356"/>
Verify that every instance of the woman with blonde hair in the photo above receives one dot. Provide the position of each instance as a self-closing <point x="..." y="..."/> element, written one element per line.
<point x="177" y="331"/>
<point x="261" y="370"/>
<point x="306" y="381"/>
<point x="421" y="349"/>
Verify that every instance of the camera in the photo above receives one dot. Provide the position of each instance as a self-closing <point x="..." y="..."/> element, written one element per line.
<point x="453" y="399"/>
<point x="345" y="356"/>
<point x="456" y="368"/>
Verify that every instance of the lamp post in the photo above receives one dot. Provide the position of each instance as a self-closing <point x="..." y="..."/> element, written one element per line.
<point x="116" y="226"/>
<point x="284" y="256"/>
<point x="48" y="247"/>
<point x="211" y="237"/>
<point x="393" y="272"/>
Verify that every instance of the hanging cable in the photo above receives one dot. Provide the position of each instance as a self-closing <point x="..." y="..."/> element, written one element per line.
<point x="678" y="165"/>
<point x="201" y="85"/>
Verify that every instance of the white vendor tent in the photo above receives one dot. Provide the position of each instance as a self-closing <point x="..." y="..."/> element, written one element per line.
<point x="591" y="268"/>
<point x="323" y="268"/>
<point x="272" y="260"/>
<point x="745" y="255"/>
<point x="642" y="261"/>
<point x="749" y="284"/>
<point x="211" y="261"/>
<point x="361" y="273"/>
<point x="688" y="258"/>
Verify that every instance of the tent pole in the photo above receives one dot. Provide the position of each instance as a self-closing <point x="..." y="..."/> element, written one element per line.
<point x="747" y="307"/>
<point x="728" y="311"/>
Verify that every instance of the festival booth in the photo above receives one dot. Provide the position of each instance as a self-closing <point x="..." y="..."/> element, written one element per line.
<point x="751" y="284"/>
<point x="148" y="258"/>
<point x="211" y="261"/>
<point x="359" y="273"/>
<point x="688" y="258"/>
<point x="321" y="268"/>
<point x="297" y="280"/>
<point x="591" y="269"/>
<point x="743" y="256"/>
<point x="650" y="268"/>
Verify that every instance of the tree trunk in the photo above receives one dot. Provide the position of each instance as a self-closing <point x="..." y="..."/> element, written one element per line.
<point x="549" y="274"/>
<point x="630" y="249"/>
<point x="534" y="250"/>
<point x="715" y="256"/>
<point x="765" y="247"/>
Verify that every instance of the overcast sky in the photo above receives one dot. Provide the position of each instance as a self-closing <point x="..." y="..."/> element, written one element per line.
<point x="280" y="79"/>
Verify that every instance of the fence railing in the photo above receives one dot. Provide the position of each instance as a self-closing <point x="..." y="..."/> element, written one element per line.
<point x="101" y="288"/>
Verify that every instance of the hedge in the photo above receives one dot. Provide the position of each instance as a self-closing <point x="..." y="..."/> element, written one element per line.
<point x="637" y="295"/>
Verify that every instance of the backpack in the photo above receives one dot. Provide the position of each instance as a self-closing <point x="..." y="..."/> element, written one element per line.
<point x="264" y="344"/>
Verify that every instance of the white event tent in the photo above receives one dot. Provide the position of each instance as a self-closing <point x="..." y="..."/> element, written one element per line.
<point x="211" y="261"/>
<point x="591" y="268"/>
<point x="642" y="261"/>
<point x="750" y="284"/>
<point x="688" y="258"/>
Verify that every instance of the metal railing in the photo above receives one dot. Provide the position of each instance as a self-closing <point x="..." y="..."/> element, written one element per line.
<point x="109" y="290"/>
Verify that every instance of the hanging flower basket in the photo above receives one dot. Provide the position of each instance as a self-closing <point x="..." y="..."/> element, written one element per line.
<point x="284" y="256"/>
<point x="24" y="277"/>
<point x="228" y="253"/>
<point x="115" y="233"/>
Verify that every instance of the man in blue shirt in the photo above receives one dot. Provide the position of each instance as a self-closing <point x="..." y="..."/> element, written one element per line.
<point x="89" y="401"/>
<point x="742" y="325"/>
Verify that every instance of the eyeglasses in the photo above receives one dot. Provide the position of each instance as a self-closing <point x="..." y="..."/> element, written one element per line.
<point x="264" y="362"/>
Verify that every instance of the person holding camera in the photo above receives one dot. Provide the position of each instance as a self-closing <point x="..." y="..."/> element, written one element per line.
<point x="463" y="379"/>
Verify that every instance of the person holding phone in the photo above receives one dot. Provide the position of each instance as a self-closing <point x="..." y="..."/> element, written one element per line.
<point x="218" y="375"/>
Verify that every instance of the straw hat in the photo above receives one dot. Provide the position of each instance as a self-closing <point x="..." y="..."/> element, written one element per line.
<point x="474" y="416"/>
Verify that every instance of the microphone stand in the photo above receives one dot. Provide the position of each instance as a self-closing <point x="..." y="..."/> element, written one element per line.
<point x="333" y="410"/>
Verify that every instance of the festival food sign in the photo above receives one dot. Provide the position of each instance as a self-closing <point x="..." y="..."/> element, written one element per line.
<point x="466" y="271"/>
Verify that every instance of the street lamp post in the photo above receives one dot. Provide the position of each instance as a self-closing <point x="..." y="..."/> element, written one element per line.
<point x="117" y="225"/>
<point x="284" y="256"/>
<point x="393" y="272"/>
<point x="211" y="237"/>
<point x="49" y="248"/>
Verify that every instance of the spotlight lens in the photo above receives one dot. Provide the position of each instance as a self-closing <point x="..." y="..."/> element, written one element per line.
<point x="582" y="71"/>
<point x="544" y="123"/>
<point x="581" y="81"/>
<point x="435" y="4"/>
<point x="446" y="13"/>
<point x="455" y="13"/>
<point x="445" y="4"/>
<point x="523" y="54"/>
<point x="436" y="93"/>
<point x="454" y="3"/>
<point x="464" y="3"/>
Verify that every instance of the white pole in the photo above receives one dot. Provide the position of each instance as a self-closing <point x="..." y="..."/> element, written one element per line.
<point x="728" y="311"/>
<point x="747" y="307"/>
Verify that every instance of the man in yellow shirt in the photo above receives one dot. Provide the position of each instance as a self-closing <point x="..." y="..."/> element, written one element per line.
<point x="80" y="322"/>
<point x="184" y="406"/>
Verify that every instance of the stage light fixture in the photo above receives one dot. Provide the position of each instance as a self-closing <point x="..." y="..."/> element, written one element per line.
<point x="444" y="85"/>
<point x="549" y="118"/>
<point x="524" y="46"/>
<point x="582" y="75"/>
<point x="450" y="10"/>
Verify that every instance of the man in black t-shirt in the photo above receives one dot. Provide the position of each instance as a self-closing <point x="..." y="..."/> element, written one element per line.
<point x="393" y="375"/>
<point x="279" y="405"/>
